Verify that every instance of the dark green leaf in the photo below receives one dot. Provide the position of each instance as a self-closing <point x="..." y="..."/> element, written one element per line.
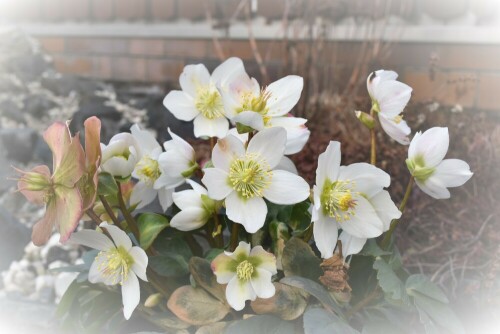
<point x="299" y="260"/>
<point x="107" y="185"/>
<point x="278" y="230"/>
<point x="320" y="321"/>
<point x="150" y="225"/>
<point x="261" y="324"/>
<point x="175" y="245"/>
<point x="169" y="265"/>
<point x="300" y="218"/>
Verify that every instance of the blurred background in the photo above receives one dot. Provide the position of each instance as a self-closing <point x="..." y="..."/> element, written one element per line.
<point x="117" y="59"/>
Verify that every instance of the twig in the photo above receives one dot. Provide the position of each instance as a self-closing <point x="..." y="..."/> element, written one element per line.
<point x="132" y="224"/>
<point x="109" y="210"/>
<point x="90" y="212"/>
<point x="234" y="236"/>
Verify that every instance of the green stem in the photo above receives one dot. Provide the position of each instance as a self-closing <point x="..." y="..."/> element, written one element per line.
<point x="109" y="210"/>
<point x="395" y="222"/>
<point x="90" y="212"/>
<point x="373" y="141"/>
<point x="132" y="224"/>
<point x="217" y="233"/>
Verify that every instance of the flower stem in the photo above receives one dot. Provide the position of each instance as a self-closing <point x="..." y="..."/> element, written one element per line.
<point x="90" y="212"/>
<point x="217" y="233"/>
<point x="212" y="144"/>
<point x="109" y="210"/>
<point x="234" y="237"/>
<point x="395" y="222"/>
<point x="132" y="224"/>
<point x="373" y="150"/>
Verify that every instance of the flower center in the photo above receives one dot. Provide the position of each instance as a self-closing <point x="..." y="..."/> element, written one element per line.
<point x="258" y="104"/>
<point x="209" y="103"/>
<point x="244" y="270"/>
<point x="148" y="170"/>
<point x="398" y="119"/>
<point x="337" y="200"/>
<point x="249" y="176"/>
<point x="115" y="264"/>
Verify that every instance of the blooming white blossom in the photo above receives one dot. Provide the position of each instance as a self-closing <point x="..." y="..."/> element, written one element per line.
<point x="200" y="99"/>
<point x="245" y="176"/>
<point x="118" y="262"/>
<point x="247" y="274"/>
<point x="120" y="155"/>
<point x="351" y="198"/>
<point x="425" y="161"/>
<point x="389" y="98"/>
<point x="196" y="208"/>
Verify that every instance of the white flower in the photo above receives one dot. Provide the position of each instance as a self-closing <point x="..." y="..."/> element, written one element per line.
<point x="120" y="155"/>
<point x="247" y="274"/>
<point x="148" y="171"/>
<point x="389" y="98"/>
<point x="351" y="198"/>
<point x="297" y="134"/>
<point x="425" y="161"/>
<point x="118" y="262"/>
<point x="196" y="208"/>
<point x="244" y="177"/>
<point x="200" y="100"/>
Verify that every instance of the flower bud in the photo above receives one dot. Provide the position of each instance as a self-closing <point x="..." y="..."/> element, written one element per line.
<point x="366" y="119"/>
<point x="153" y="300"/>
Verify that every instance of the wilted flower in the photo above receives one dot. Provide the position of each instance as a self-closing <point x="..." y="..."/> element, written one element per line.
<point x="389" y="98"/>
<point x="245" y="176"/>
<point x="118" y="262"/>
<point x="120" y="155"/>
<point x="59" y="192"/>
<point x="351" y="198"/>
<point x="200" y="100"/>
<point x="88" y="183"/>
<point x="425" y="161"/>
<point x="247" y="274"/>
<point x="196" y="208"/>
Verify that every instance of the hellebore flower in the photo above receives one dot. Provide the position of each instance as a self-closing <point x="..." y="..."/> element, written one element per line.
<point x="247" y="274"/>
<point x="245" y="176"/>
<point x="88" y="183"/>
<point x="425" y="161"/>
<point x="59" y="191"/>
<point x="389" y="98"/>
<point x="200" y="100"/>
<point x="120" y="155"/>
<point x="196" y="208"/>
<point x="351" y="198"/>
<point x="118" y="262"/>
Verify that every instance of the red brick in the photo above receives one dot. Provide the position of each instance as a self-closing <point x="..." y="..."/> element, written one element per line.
<point x="162" y="10"/>
<point x="187" y="48"/>
<point x="234" y="48"/>
<point x="159" y="70"/>
<point x="194" y="9"/>
<point x="52" y="44"/>
<point x="77" y="45"/>
<point x="101" y="67"/>
<point x="97" y="46"/>
<point x="147" y="47"/>
<point x="102" y="10"/>
<point x="128" y="69"/>
<point x="74" y="65"/>
<point x="489" y="88"/>
<point x="130" y="9"/>
<point x="76" y="10"/>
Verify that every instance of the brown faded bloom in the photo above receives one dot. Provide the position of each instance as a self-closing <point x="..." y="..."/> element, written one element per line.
<point x="89" y="180"/>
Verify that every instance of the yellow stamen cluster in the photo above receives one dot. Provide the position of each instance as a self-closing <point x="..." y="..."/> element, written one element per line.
<point x="398" y="119"/>
<point x="258" y="104"/>
<point x="148" y="170"/>
<point x="249" y="176"/>
<point x="337" y="200"/>
<point x="209" y="103"/>
<point x="115" y="264"/>
<point x="244" y="270"/>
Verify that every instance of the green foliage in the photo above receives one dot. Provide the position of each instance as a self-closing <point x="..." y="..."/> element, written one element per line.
<point x="389" y="281"/>
<point x="261" y="324"/>
<point x="107" y="185"/>
<point x="299" y="260"/>
<point x="150" y="225"/>
<point x="372" y="249"/>
<point x="320" y="321"/>
<point x="170" y="265"/>
<point x="203" y="275"/>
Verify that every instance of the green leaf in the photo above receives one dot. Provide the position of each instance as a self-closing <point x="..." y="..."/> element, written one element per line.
<point x="212" y="253"/>
<point x="168" y="319"/>
<point x="423" y="285"/>
<point x="288" y="303"/>
<point x="389" y="281"/>
<point x="298" y="259"/>
<point x="320" y="321"/>
<point x="439" y="312"/>
<point x="261" y="324"/>
<point x="150" y="225"/>
<point x="278" y="230"/>
<point x="372" y="249"/>
<point x="195" y="306"/>
<point x="175" y="245"/>
<point x="107" y="185"/>
<point x="300" y="218"/>
<point x="170" y="265"/>
<point x="241" y="128"/>
<point x="202" y="273"/>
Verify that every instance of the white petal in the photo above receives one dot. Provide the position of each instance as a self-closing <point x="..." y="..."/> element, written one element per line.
<point x="286" y="188"/>
<point x="165" y="198"/>
<point x="142" y="195"/>
<point x="432" y="146"/>
<point x="119" y="166"/>
<point x="368" y="179"/>
<point x="328" y="164"/>
<point x="397" y="131"/>
<point x="365" y="223"/>
<point x="180" y="146"/>
<point x="131" y="295"/>
<point x="204" y="127"/>
<point x="173" y="163"/>
<point x="146" y="142"/>
<point x="223" y="267"/>
<point x="225" y="151"/>
<point x="237" y="292"/>
<point x="325" y="235"/>
<point x="120" y="238"/>
<point x="297" y="134"/>
<point x="267" y="260"/>
<point x="351" y="245"/>
<point x="187" y="199"/>
<point x="385" y="208"/>
<point x="250" y="118"/>
<point x="392" y="97"/>
<point x="284" y="94"/>
<point x="262" y="284"/>
<point x="226" y="70"/>
<point x="197" y="187"/>
<point x="241" y="251"/>
<point x="288" y="165"/>
<point x="261" y="144"/>
<point x="92" y="239"/>
<point x="376" y="77"/>
<point x="452" y="172"/>
<point x="140" y="262"/>
<point x="216" y="181"/>
<point x="434" y="188"/>
<point x="181" y="105"/>
<point x="241" y="136"/>
<point x="189" y="219"/>
<point x="251" y="213"/>
<point x="193" y="77"/>
<point x="95" y="275"/>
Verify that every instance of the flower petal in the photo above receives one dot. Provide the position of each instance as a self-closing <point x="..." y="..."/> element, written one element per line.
<point x="351" y="245"/>
<point x="328" y="164"/>
<point x="226" y="70"/>
<point x="250" y="118"/>
<point x="432" y="146"/>
<point x="398" y="131"/>
<point x="42" y="230"/>
<point x="325" y="235"/>
<point x="452" y="172"/>
<point x="189" y="219"/>
<point x="68" y="211"/>
<point x="287" y="165"/>
<point x="58" y="137"/>
<point x="385" y="208"/>
<point x="376" y="77"/>
<point x="131" y="295"/>
<point x="251" y="213"/>
<point x="284" y="94"/>
<point x="193" y="77"/>
<point x="181" y="105"/>
<point x="266" y="260"/>
<point x="197" y="187"/>
<point x="260" y="144"/>
<point x="365" y="223"/>
<point x="225" y="151"/>
<point x="165" y="198"/>
<point x="92" y="239"/>
<point x="95" y="275"/>
<point x="237" y="292"/>
<point x="140" y="262"/>
<point x="242" y="252"/>
<point x="187" y="199"/>
<point x="286" y="188"/>
<point x="204" y="127"/>
<point x="434" y="188"/>
<point x="23" y="185"/>
<point x="146" y="142"/>
<point x="224" y="268"/>
<point x="216" y="181"/>
<point x="368" y="179"/>
<point x="120" y="238"/>
<point x="142" y="195"/>
<point x="297" y="134"/>
<point x="262" y="284"/>
<point x="180" y="146"/>
<point x="392" y="97"/>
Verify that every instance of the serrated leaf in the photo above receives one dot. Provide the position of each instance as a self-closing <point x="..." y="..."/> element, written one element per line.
<point x="439" y="312"/>
<point x="423" y="285"/>
<point x="150" y="225"/>
<point x="107" y="185"/>
<point x="298" y="259"/>
<point x="389" y="281"/>
<point x="261" y="324"/>
<point x="320" y="321"/>
<point x="288" y="303"/>
<point x="195" y="306"/>
<point x="202" y="273"/>
<point x="372" y="249"/>
<point x="171" y="265"/>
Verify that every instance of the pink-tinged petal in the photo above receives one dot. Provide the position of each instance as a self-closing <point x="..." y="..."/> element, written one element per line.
<point x="225" y="151"/>
<point x="181" y="105"/>
<point x="284" y="94"/>
<point x="42" y="230"/>
<point x="193" y="77"/>
<point x="351" y="245"/>
<point x="237" y="292"/>
<point x="217" y="183"/>
<point x="131" y="295"/>
<point x="93" y="156"/>
<point x="224" y="268"/>
<point x="92" y="239"/>
<point x="72" y="165"/>
<point x="365" y="223"/>
<point x="367" y="179"/>
<point x="261" y="144"/>
<point x="431" y="146"/>
<point x="251" y="119"/>
<point x="140" y="262"/>
<point x="35" y="183"/>
<point x="251" y="213"/>
<point x="120" y="238"/>
<point x="328" y="164"/>
<point x="266" y="260"/>
<point x="68" y="211"/>
<point x="286" y="188"/>
<point x="325" y="232"/>
<point x="58" y="137"/>
<point x="262" y="284"/>
<point x="398" y="131"/>
<point x="453" y="172"/>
